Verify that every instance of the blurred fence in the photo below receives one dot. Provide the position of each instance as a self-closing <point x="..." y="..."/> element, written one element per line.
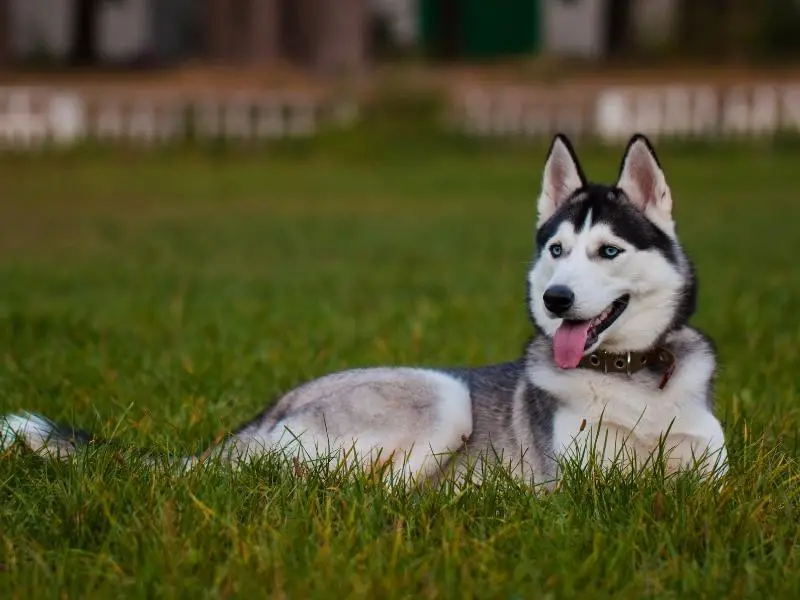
<point x="32" y="117"/>
<point x="615" y="112"/>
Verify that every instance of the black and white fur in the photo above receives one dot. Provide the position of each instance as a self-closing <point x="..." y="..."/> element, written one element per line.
<point x="531" y="412"/>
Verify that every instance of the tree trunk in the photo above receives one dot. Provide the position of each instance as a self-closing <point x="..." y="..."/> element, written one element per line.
<point x="84" y="32"/>
<point x="5" y="32"/>
<point x="219" y="36"/>
<point x="450" y="40"/>
<point x="618" y="28"/>
<point x="702" y="28"/>
<point x="263" y="29"/>
<point x="341" y="36"/>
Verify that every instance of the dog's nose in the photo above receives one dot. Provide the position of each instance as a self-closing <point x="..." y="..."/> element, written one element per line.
<point x="558" y="299"/>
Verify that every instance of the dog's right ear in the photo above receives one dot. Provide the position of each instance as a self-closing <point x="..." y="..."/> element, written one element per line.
<point x="644" y="182"/>
<point x="562" y="177"/>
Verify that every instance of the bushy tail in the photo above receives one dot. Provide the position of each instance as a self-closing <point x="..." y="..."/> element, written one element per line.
<point x="41" y="435"/>
<point x="53" y="440"/>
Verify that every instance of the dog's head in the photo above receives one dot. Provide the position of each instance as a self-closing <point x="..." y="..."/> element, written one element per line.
<point x="609" y="271"/>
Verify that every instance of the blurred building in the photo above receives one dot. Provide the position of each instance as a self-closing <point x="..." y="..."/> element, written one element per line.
<point x="589" y="29"/>
<point x="603" y="28"/>
<point x="44" y="30"/>
<point x="326" y="35"/>
<point x="333" y="36"/>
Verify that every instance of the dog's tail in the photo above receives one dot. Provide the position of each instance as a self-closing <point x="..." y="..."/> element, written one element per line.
<point x="53" y="440"/>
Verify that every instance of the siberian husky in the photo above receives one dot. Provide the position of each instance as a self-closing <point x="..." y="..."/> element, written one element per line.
<point x="613" y="372"/>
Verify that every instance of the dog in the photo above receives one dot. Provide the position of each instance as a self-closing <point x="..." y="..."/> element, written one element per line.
<point x="613" y="374"/>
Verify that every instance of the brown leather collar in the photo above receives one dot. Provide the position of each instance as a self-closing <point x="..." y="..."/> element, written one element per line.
<point x="659" y="358"/>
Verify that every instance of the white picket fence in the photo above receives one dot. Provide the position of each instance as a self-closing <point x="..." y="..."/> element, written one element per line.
<point x="33" y="117"/>
<point x="615" y="112"/>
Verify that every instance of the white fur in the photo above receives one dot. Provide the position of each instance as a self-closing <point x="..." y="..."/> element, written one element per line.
<point x="360" y="416"/>
<point x="653" y="283"/>
<point x="34" y="430"/>
<point x="616" y="410"/>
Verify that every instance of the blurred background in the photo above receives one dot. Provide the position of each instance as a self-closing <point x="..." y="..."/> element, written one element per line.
<point x="331" y="35"/>
<point x="206" y="202"/>
<point x="159" y="70"/>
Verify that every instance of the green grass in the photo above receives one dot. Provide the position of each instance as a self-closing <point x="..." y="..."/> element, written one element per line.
<point x="162" y="300"/>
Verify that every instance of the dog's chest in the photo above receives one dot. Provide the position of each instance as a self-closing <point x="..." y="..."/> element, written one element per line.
<point x="634" y="406"/>
<point x="614" y="418"/>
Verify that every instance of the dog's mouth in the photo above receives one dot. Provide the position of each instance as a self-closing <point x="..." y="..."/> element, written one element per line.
<point x="573" y="338"/>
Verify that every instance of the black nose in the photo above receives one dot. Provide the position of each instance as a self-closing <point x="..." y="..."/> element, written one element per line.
<point x="558" y="299"/>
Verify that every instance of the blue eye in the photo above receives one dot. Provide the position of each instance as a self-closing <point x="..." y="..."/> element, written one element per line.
<point x="609" y="252"/>
<point x="556" y="250"/>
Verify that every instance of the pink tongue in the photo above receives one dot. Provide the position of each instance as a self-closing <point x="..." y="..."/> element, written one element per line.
<point x="568" y="343"/>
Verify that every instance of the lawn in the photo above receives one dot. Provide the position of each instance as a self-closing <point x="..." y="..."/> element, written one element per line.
<point x="161" y="300"/>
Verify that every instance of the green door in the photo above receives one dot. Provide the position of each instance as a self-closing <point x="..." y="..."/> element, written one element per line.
<point x="479" y="28"/>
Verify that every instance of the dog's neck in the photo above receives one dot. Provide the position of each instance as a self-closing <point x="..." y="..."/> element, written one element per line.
<point x="660" y="359"/>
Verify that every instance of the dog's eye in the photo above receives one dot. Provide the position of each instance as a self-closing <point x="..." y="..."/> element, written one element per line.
<point x="609" y="251"/>
<point x="556" y="250"/>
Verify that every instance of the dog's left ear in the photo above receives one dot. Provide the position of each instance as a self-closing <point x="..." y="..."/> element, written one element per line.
<point x="643" y="182"/>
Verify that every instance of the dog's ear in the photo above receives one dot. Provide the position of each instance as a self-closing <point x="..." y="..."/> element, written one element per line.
<point x="562" y="177"/>
<point x="643" y="181"/>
